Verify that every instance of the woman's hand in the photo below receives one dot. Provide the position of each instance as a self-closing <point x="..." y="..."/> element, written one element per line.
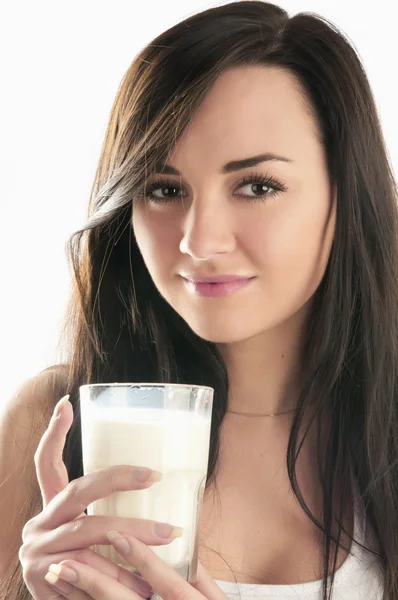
<point x="63" y="531"/>
<point x="89" y="583"/>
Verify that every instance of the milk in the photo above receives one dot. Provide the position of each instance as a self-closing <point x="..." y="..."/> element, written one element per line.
<point x="174" y="442"/>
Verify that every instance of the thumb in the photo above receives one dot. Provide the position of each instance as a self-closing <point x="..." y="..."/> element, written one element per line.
<point x="50" y="468"/>
<point x="206" y="585"/>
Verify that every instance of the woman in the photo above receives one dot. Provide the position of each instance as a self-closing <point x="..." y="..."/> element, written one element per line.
<point x="242" y="144"/>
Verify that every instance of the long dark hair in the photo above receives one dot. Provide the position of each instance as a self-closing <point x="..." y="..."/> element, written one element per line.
<point x="119" y="327"/>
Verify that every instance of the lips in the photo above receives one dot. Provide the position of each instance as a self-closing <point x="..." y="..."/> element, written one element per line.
<point x="217" y="289"/>
<point x="216" y="278"/>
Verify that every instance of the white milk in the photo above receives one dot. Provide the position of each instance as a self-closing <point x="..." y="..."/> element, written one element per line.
<point x="174" y="442"/>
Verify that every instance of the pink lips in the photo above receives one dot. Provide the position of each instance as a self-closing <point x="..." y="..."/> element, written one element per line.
<point x="216" y="290"/>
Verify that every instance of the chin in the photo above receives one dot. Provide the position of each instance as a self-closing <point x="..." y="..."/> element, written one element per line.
<point x="217" y="338"/>
<point x="221" y="325"/>
<point x="220" y="331"/>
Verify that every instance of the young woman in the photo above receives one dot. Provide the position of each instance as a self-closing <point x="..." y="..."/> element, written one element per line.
<point x="242" y="145"/>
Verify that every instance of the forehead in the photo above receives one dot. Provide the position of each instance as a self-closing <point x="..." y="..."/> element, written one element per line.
<point x="247" y="111"/>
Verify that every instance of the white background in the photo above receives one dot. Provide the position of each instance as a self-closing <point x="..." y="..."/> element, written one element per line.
<point x="61" y="65"/>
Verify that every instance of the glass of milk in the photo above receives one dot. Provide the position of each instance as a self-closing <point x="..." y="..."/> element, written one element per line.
<point x="163" y="426"/>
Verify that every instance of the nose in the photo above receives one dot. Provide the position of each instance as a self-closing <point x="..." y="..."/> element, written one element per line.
<point x="207" y="231"/>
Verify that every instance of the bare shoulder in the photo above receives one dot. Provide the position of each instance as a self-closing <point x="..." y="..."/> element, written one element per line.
<point x="24" y="419"/>
<point x="36" y="396"/>
<point x="26" y="415"/>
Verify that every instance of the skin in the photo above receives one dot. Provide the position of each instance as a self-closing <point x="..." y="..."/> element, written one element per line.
<point x="57" y="556"/>
<point x="285" y="241"/>
<point x="210" y="228"/>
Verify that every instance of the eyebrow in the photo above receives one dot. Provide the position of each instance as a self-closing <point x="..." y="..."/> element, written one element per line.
<point x="233" y="165"/>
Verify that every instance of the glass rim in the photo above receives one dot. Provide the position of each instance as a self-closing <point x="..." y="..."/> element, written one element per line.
<point x="147" y="384"/>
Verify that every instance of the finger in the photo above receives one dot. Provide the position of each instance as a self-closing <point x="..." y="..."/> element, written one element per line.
<point x="127" y="578"/>
<point x="95" y="584"/>
<point x="164" y="580"/>
<point x="91" y="530"/>
<point x="94" y="560"/>
<point x="206" y="585"/>
<point x="50" y="468"/>
<point x="72" y="501"/>
<point x="68" y="590"/>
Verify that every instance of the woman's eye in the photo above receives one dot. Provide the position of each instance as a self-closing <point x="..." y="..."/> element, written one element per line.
<point x="259" y="188"/>
<point x="262" y="190"/>
<point x="171" y="192"/>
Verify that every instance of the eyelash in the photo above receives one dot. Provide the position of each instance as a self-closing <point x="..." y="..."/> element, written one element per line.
<point x="270" y="182"/>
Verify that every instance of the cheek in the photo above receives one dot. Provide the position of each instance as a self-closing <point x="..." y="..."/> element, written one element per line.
<point x="291" y="245"/>
<point x="156" y="241"/>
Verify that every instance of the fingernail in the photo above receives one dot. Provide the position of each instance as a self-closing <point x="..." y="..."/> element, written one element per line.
<point x="145" y="588"/>
<point x="62" y="586"/>
<point x="63" y="572"/>
<point x="61" y="405"/>
<point x="166" y="530"/>
<point x="119" y="542"/>
<point x="51" y="578"/>
<point x="143" y="474"/>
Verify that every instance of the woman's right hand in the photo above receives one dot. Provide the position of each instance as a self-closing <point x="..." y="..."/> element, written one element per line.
<point x="63" y="531"/>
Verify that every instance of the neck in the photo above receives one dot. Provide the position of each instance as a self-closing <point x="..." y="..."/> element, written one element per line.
<point x="265" y="371"/>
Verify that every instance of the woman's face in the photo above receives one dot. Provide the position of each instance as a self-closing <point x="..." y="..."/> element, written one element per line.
<point x="208" y="223"/>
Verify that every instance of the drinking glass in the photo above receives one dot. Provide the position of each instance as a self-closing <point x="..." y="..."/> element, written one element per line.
<point x="163" y="426"/>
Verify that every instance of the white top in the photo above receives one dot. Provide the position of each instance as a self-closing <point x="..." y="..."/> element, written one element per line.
<point x="359" y="577"/>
